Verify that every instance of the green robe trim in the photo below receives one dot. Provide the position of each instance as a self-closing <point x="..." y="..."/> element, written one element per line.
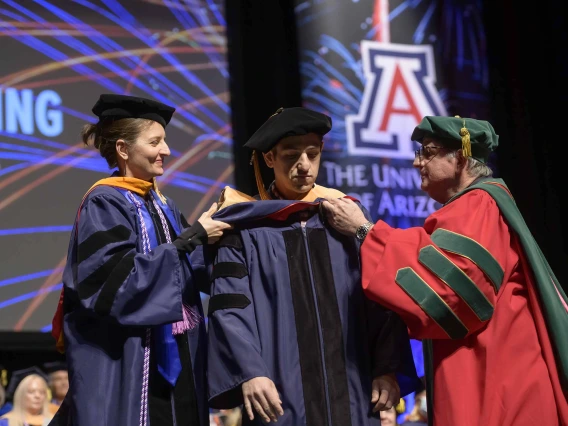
<point x="551" y="294"/>
<point x="472" y="250"/>
<point x="457" y="280"/>
<point x="552" y="298"/>
<point x="431" y="303"/>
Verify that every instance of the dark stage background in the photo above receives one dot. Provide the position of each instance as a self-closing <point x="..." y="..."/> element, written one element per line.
<point x="528" y="97"/>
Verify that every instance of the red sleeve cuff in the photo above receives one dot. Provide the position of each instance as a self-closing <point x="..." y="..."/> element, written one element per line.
<point x="378" y="235"/>
<point x="373" y="248"/>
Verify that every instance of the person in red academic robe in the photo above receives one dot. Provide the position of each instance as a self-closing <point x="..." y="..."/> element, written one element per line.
<point x="473" y="284"/>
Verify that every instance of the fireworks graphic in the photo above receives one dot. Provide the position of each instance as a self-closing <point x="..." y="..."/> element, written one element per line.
<point x="58" y="57"/>
<point x="331" y="58"/>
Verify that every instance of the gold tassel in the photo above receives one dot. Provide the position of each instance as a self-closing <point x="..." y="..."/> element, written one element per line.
<point x="157" y="191"/>
<point x="4" y="378"/>
<point x="254" y="161"/>
<point x="400" y="407"/>
<point x="466" y="141"/>
<point x="278" y="111"/>
<point x="259" y="183"/>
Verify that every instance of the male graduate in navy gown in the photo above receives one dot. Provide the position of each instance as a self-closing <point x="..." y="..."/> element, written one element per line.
<point x="291" y="335"/>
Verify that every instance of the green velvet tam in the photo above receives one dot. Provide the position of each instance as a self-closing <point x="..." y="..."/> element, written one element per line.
<point x="476" y="138"/>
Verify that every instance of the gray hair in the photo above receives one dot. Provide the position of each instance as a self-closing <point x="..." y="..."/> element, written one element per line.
<point x="474" y="167"/>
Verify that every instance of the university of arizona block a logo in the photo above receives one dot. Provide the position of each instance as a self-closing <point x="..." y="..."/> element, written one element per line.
<point x="399" y="91"/>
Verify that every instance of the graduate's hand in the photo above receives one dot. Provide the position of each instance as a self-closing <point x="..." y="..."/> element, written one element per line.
<point x="344" y="215"/>
<point x="214" y="228"/>
<point x="260" y="393"/>
<point x="385" y="392"/>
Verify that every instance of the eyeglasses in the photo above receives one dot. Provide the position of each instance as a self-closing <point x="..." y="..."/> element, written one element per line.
<point x="427" y="152"/>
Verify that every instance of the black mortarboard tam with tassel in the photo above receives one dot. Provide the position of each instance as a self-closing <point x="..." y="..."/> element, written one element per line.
<point x="116" y="107"/>
<point x="285" y="122"/>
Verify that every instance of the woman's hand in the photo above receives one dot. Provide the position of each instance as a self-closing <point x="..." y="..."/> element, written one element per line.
<point x="214" y="228"/>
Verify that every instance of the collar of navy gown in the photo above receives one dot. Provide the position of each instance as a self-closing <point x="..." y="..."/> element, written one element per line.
<point x="267" y="209"/>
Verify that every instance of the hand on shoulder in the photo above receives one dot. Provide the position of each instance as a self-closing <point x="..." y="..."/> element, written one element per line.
<point x="214" y="228"/>
<point x="344" y="215"/>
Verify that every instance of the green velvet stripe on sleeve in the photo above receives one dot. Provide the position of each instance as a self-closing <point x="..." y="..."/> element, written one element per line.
<point x="457" y="280"/>
<point x="472" y="250"/>
<point x="431" y="303"/>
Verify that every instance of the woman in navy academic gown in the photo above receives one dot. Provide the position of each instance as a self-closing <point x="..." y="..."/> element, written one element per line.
<point x="130" y="318"/>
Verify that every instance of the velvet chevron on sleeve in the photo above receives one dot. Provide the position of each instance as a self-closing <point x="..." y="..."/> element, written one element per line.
<point x="474" y="285"/>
